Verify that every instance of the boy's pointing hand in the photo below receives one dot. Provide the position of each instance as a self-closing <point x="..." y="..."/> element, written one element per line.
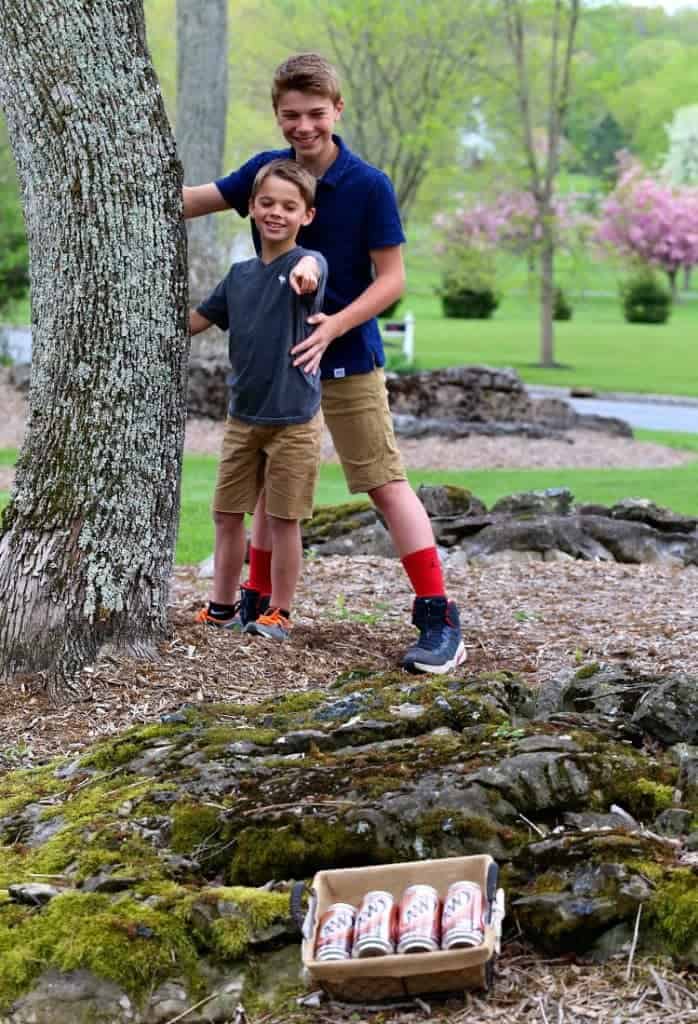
<point x="305" y="276"/>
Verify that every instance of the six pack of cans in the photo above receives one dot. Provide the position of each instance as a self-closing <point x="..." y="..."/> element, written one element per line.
<point x="419" y="923"/>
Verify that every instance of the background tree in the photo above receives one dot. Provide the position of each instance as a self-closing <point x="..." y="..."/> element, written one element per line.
<point x="87" y="540"/>
<point x="202" y="101"/>
<point x="541" y="46"/>
<point x="651" y="222"/>
<point x="406" y="80"/>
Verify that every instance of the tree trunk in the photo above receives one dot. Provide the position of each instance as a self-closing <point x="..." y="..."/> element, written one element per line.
<point x="547" y="290"/>
<point x="202" y="104"/>
<point x="674" y="284"/>
<point x="687" y="278"/>
<point x="87" y="542"/>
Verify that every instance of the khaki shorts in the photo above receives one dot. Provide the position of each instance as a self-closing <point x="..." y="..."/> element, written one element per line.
<point x="282" y="460"/>
<point x="358" y="417"/>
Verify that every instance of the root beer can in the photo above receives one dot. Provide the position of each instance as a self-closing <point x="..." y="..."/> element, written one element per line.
<point x="374" y="932"/>
<point x="419" y="920"/>
<point x="461" y="920"/>
<point x="335" y="936"/>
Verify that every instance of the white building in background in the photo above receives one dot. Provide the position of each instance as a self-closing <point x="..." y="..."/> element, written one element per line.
<point x="476" y="141"/>
<point x="681" y="164"/>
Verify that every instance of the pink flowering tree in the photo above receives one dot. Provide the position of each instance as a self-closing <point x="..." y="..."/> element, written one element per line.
<point x="651" y="222"/>
<point x="510" y="221"/>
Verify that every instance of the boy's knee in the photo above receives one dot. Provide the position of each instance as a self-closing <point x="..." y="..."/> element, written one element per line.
<point x="388" y="494"/>
<point x="280" y="525"/>
<point x="227" y="520"/>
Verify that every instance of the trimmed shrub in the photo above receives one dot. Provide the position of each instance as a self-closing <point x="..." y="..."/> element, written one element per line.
<point x="562" y="308"/>
<point x="467" y="287"/>
<point x="645" y="299"/>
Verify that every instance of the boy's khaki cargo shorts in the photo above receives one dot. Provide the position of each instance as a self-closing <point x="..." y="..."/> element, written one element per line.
<point x="282" y="460"/>
<point x="358" y="417"/>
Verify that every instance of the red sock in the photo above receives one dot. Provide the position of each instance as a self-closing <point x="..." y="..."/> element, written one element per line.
<point x="424" y="570"/>
<point x="260" y="571"/>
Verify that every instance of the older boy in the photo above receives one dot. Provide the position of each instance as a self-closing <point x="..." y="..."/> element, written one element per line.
<point x="357" y="228"/>
<point x="274" y="428"/>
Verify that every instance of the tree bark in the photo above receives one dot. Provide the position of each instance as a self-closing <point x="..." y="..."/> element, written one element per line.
<point x="87" y="542"/>
<point x="202" y="105"/>
<point x="547" y="291"/>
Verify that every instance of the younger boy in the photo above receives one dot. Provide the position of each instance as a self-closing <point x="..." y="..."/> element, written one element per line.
<point x="274" y="428"/>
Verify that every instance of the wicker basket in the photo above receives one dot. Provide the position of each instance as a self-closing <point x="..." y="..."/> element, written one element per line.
<point x="397" y="976"/>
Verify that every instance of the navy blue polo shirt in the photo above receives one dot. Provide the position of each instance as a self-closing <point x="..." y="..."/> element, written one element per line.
<point x="356" y="212"/>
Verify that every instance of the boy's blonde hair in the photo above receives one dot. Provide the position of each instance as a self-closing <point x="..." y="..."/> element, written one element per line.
<point x="287" y="170"/>
<point x="306" y="72"/>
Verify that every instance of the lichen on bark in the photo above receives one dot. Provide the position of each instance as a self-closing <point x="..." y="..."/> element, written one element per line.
<point x="87" y="542"/>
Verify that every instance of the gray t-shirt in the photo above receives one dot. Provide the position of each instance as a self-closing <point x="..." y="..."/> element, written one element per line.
<point x="265" y="319"/>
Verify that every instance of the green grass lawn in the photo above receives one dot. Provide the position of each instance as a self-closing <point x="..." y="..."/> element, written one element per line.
<point x="675" y="487"/>
<point x="597" y="347"/>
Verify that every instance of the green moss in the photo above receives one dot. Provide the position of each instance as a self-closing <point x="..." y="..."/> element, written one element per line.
<point x="245" y="912"/>
<point x="294" y="703"/>
<point x="587" y="671"/>
<point x="460" y="497"/>
<point x="645" y="798"/>
<point x="195" y="827"/>
<point x="104" y="797"/>
<point x="299" y="849"/>
<point x="123" y="941"/>
<point x="549" y="881"/>
<point x="114" y="753"/>
<point x="430" y="826"/>
<point x="218" y="737"/>
<point x="673" y="912"/>
<point x="19" y="788"/>
<point x="338" y="519"/>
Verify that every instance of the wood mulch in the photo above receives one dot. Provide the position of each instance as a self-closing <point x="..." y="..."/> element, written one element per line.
<point x="533" y="619"/>
<point x="534" y="990"/>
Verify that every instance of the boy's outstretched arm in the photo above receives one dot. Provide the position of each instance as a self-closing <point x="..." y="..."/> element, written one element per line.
<point x="387" y="287"/>
<point x="198" y="200"/>
<point x="197" y="322"/>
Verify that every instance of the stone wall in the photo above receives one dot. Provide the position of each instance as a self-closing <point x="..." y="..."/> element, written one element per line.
<point x="454" y="402"/>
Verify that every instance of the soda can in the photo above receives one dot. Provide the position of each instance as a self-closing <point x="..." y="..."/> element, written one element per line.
<point x="419" y="923"/>
<point x="374" y="933"/>
<point x="461" y="921"/>
<point x="335" y="934"/>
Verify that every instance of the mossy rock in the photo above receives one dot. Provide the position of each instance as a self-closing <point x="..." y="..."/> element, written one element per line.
<point x="428" y="767"/>
<point x="122" y="941"/>
<point x="330" y="521"/>
<point x="299" y="849"/>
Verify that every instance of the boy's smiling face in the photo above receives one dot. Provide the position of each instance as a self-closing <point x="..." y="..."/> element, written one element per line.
<point x="279" y="210"/>
<point x="307" y="121"/>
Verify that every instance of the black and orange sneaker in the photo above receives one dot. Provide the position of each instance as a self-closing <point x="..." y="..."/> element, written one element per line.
<point x="250" y="605"/>
<point x="272" y="625"/>
<point x="439" y="648"/>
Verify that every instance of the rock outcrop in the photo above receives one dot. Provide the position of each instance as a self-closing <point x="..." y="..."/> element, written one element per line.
<point x="152" y="873"/>
<point x="533" y="526"/>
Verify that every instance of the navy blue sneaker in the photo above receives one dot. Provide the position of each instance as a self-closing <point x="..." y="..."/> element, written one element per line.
<point x="439" y="648"/>
<point x="250" y="606"/>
